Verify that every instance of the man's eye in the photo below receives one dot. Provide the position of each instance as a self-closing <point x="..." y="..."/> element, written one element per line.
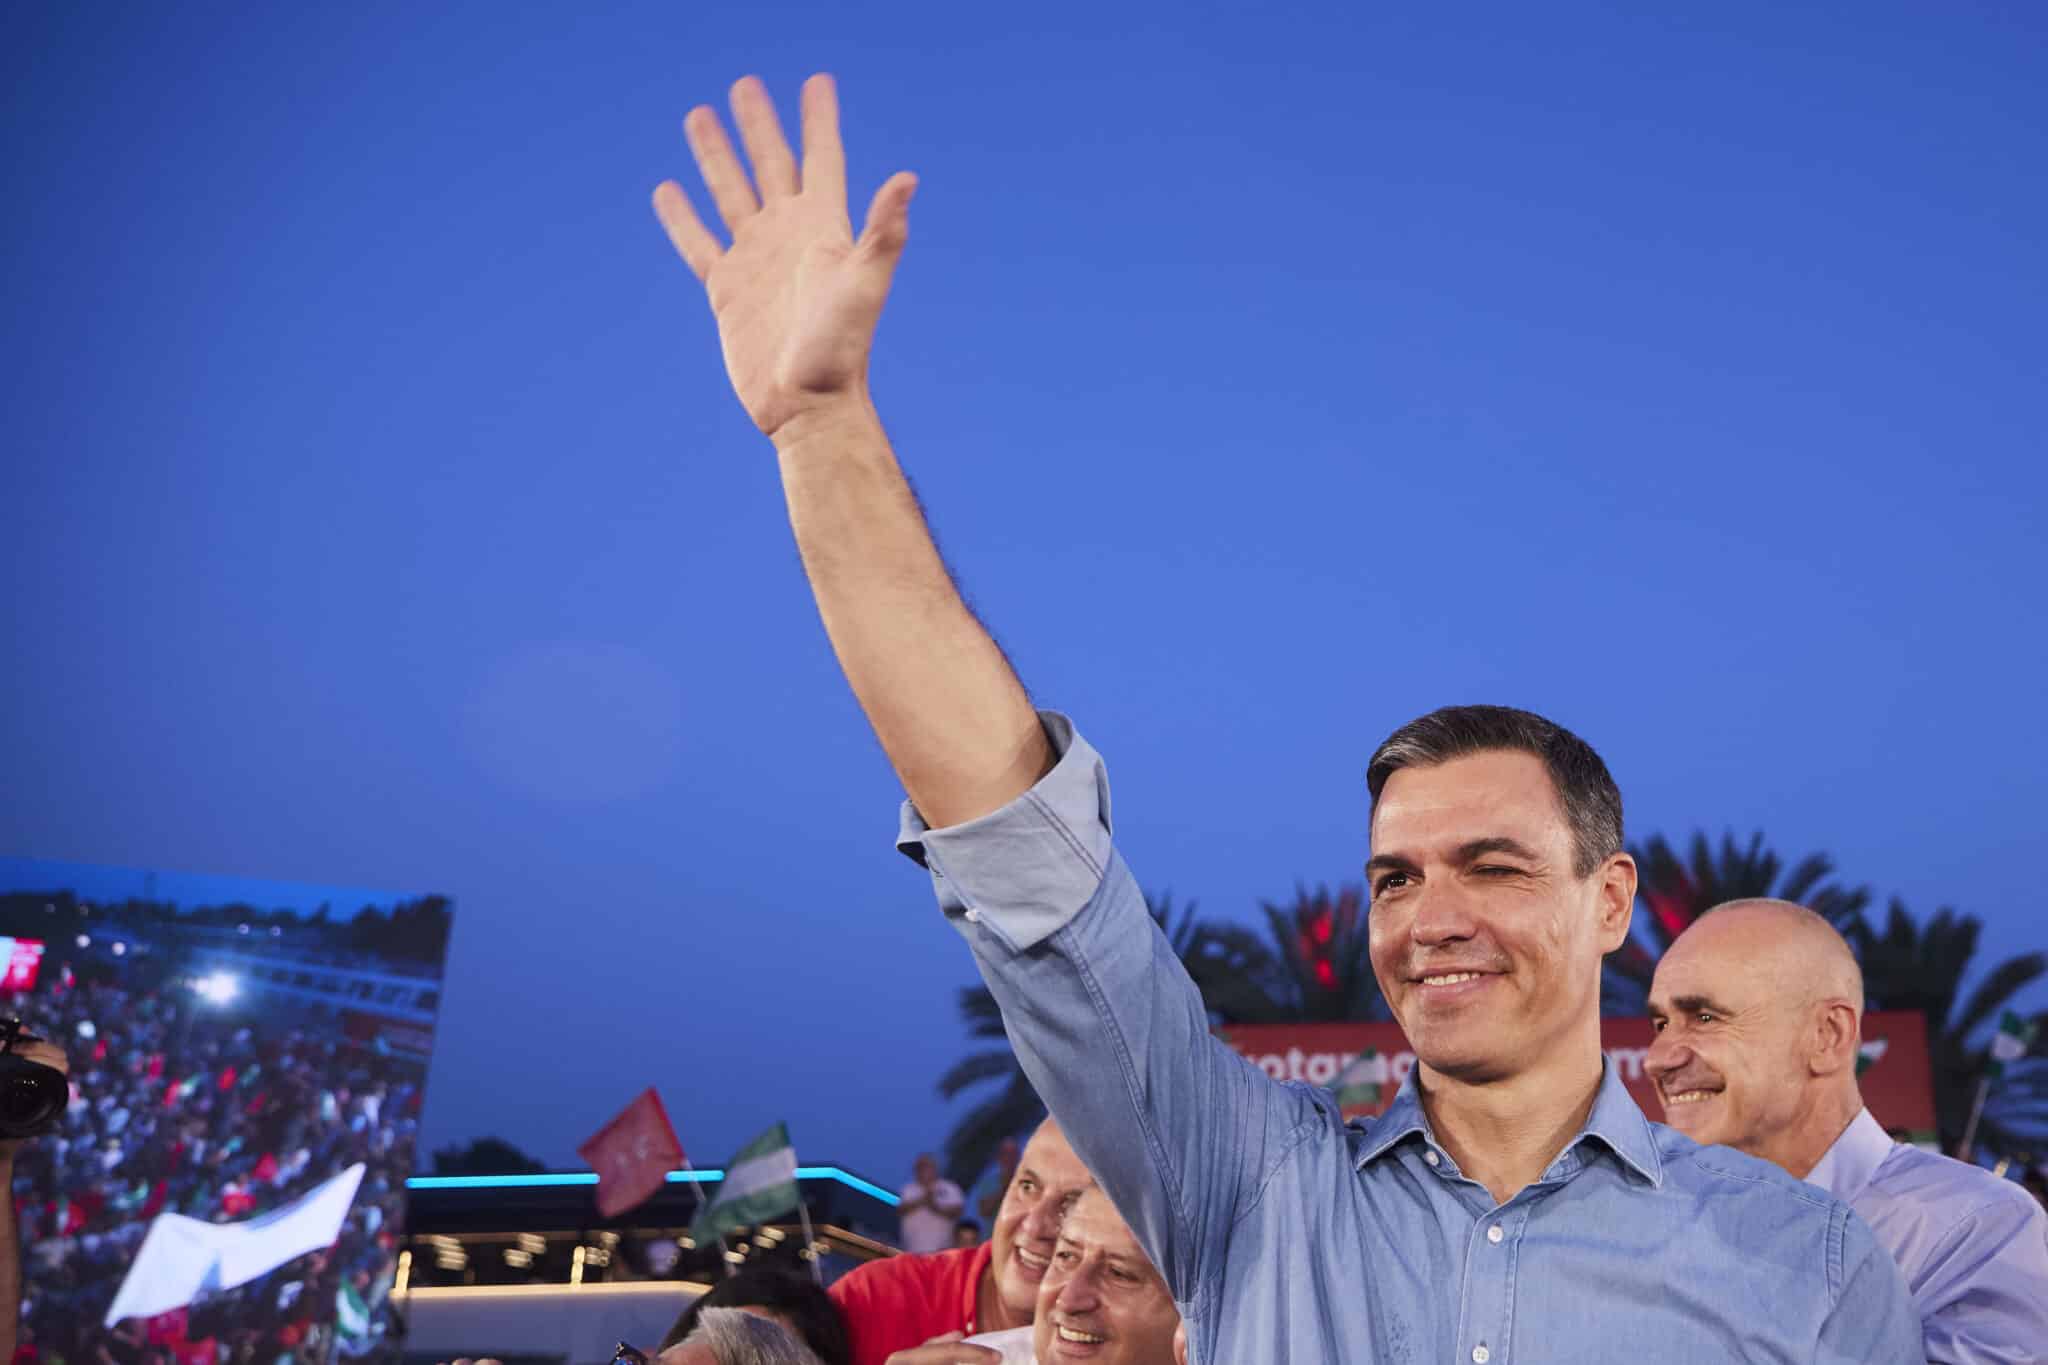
<point x="1392" y="881"/>
<point x="1656" y="1026"/>
<point x="1496" y="870"/>
<point x="1026" y="1186"/>
<point x="1704" y="1017"/>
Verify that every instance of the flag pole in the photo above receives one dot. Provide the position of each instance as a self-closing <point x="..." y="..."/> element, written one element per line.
<point x="697" y="1188"/>
<point x="803" y="1211"/>
<point x="1976" y="1112"/>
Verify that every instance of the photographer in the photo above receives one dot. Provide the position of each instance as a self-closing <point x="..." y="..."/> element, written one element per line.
<point x="20" y="1091"/>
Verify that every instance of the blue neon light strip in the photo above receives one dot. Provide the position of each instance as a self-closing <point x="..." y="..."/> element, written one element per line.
<point x="513" y="1182"/>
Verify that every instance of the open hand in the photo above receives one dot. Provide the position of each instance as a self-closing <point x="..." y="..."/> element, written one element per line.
<point x="796" y="297"/>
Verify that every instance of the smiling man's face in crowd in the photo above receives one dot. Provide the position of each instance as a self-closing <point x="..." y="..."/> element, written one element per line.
<point x="1027" y="1225"/>
<point x="1102" y="1301"/>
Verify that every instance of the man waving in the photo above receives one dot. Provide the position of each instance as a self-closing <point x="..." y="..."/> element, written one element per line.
<point x="1514" y="1203"/>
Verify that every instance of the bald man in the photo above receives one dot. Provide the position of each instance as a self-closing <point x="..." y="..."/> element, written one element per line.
<point x="1758" y="1009"/>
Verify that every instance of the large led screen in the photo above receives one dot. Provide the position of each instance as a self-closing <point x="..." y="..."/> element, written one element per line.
<point x="247" y="1065"/>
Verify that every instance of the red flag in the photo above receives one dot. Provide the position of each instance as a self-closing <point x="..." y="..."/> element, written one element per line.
<point x="166" y="1329"/>
<point x="632" y="1154"/>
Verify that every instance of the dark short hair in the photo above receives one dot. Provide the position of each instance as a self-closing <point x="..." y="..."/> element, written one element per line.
<point x="1585" y="789"/>
<point x="797" y="1297"/>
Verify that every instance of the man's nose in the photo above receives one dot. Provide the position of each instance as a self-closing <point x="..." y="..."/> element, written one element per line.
<point x="1078" y="1294"/>
<point x="1042" y="1223"/>
<point x="1441" y="916"/>
<point x="1666" y="1055"/>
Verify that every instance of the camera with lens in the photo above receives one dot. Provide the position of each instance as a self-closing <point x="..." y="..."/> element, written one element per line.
<point x="32" y="1094"/>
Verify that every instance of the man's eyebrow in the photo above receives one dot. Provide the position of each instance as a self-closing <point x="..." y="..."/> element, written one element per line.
<point x="1496" y="843"/>
<point x="1692" y="1004"/>
<point x="1465" y="853"/>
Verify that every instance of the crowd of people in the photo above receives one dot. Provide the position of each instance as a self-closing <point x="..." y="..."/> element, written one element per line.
<point x="178" y="1111"/>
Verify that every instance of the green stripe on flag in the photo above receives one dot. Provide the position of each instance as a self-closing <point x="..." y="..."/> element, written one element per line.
<point x="760" y="1182"/>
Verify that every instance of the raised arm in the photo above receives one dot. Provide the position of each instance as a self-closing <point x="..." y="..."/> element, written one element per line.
<point x="796" y="298"/>
<point x="1104" y="1020"/>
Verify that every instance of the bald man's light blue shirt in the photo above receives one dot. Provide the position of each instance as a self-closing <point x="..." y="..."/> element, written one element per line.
<point x="1289" y="1236"/>
<point x="1973" y="1247"/>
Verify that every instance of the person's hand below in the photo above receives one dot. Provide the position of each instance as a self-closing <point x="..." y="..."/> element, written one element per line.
<point x="949" y="1349"/>
<point x="35" y="1050"/>
<point x="795" y="296"/>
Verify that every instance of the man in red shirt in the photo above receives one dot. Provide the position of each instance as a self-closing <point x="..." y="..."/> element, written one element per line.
<point x="904" y="1301"/>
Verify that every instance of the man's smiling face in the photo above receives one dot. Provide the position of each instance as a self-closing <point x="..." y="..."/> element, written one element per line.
<point x="1048" y="1177"/>
<point x="1486" y="942"/>
<point x="1102" y="1302"/>
<point x="1734" y="1006"/>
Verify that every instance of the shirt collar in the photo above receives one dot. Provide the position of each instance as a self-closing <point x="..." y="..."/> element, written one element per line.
<point x="1848" y="1166"/>
<point x="1616" y="1122"/>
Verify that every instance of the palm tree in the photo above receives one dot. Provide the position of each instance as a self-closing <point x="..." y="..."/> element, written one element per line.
<point x="1915" y="966"/>
<point x="1672" y="892"/>
<point x="1014" y="1107"/>
<point x="1320" y="970"/>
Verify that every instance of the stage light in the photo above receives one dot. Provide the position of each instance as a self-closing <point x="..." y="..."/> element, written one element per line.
<point x="217" y="989"/>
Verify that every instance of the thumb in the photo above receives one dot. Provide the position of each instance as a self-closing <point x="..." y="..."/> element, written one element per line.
<point x="888" y="225"/>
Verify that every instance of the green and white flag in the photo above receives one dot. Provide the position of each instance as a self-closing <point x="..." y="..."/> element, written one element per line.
<point x="2012" y="1041"/>
<point x="351" y="1314"/>
<point x="1358" y="1086"/>
<point x="760" y="1182"/>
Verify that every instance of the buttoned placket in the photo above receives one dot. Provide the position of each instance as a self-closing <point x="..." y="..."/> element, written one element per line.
<point x="1486" y="1301"/>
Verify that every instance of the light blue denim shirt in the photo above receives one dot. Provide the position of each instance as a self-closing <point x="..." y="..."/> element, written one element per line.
<point x="1289" y="1237"/>
<point x="1973" y="1247"/>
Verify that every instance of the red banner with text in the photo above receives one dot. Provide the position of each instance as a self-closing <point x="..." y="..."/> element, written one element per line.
<point x="1366" y="1063"/>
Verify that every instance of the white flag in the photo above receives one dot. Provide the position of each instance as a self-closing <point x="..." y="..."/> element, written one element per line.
<point x="182" y="1258"/>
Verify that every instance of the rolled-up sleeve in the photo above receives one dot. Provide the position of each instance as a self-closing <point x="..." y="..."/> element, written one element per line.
<point x="1103" y="1016"/>
<point x="1024" y="870"/>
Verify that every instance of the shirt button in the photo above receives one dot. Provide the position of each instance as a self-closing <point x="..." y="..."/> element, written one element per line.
<point x="1480" y="1355"/>
<point x="1494" y="1234"/>
<point x="974" y="916"/>
<point x="1430" y="1157"/>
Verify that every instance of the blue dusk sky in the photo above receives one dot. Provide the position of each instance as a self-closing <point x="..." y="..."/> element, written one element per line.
<point x="378" y="513"/>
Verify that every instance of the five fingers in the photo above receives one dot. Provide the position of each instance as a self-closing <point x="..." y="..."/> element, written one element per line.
<point x="776" y="173"/>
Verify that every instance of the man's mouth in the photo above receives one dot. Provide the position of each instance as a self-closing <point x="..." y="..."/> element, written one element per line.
<point x="1689" y="1096"/>
<point x="1452" y="978"/>
<point x="1076" y="1336"/>
<point x="1033" y="1264"/>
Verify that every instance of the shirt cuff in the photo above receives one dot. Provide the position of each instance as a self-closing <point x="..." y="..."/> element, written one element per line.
<point x="1023" y="871"/>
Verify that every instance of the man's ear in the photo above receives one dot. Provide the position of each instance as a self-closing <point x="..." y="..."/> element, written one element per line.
<point x="1616" y="906"/>
<point x="1837" y="1033"/>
